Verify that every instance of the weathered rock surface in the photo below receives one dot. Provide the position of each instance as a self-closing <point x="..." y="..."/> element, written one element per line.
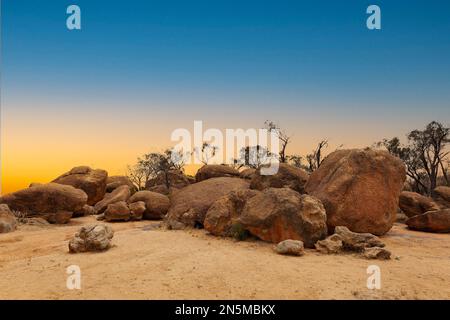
<point x="432" y="221"/>
<point x="60" y="217"/>
<point x="353" y="241"/>
<point x="46" y="198"/>
<point x="287" y="176"/>
<point x="412" y="203"/>
<point x="91" y="238"/>
<point x="442" y="195"/>
<point x="331" y="245"/>
<point x="121" y="193"/>
<point x="113" y="182"/>
<point x="215" y="171"/>
<point x="225" y="212"/>
<point x="156" y="204"/>
<point x="377" y="253"/>
<point x="278" y="214"/>
<point x="91" y="181"/>
<point x="8" y="222"/>
<point x="290" y="247"/>
<point x="87" y="210"/>
<point x="247" y="173"/>
<point x="137" y="210"/>
<point x="401" y="217"/>
<point x="190" y="204"/>
<point x="359" y="189"/>
<point x="117" y="211"/>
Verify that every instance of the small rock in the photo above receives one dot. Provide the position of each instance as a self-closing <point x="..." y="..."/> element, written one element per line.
<point x="137" y="210"/>
<point x="91" y="238"/>
<point x="431" y="221"/>
<point x="290" y="247"/>
<point x="60" y="217"/>
<point x="118" y="211"/>
<point x="87" y="210"/>
<point x="377" y="253"/>
<point x="332" y="244"/>
<point x="357" y="241"/>
<point x="37" y="222"/>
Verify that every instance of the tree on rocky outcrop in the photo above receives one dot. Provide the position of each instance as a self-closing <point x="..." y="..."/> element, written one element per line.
<point x="206" y="152"/>
<point x="152" y="164"/>
<point x="282" y="136"/>
<point x="296" y="160"/>
<point x="425" y="155"/>
<point x="316" y="157"/>
<point x="253" y="157"/>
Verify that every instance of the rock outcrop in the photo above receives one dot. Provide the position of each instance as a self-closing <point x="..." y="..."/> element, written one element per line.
<point x="137" y="210"/>
<point x="121" y="193"/>
<point x="113" y="182"/>
<point x="226" y="211"/>
<point x="91" y="181"/>
<point x="45" y="199"/>
<point x="442" y="195"/>
<point x="247" y="173"/>
<point x="278" y="214"/>
<point x="359" y="189"/>
<point x="432" y="221"/>
<point x="118" y="211"/>
<point x="8" y="222"/>
<point x="91" y="238"/>
<point x="412" y="203"/>
<point x="215" y="171"/>
<point x="288" y="176"/>
<point x="156" y="204"/>
<point x="60" y="217"/>
<point x="190" y="204"/>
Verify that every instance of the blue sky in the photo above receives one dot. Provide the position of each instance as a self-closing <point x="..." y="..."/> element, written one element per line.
<point x="282" y="50"/>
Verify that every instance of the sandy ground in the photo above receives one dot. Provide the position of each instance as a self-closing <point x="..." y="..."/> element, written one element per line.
<point x="149" y="263"/>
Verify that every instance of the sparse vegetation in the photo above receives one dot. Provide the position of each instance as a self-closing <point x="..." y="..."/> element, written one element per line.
<point x="425" y="156"/>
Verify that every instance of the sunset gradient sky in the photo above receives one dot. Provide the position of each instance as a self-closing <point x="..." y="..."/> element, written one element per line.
<point x="137" y="70"/>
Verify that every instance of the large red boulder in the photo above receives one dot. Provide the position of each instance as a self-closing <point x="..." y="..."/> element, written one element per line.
<point x="359" y="189"/>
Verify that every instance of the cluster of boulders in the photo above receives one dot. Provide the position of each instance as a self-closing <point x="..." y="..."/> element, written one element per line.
<point x="353" y="197"/>
<point x="82" y="191"/>
<point x="426" y="213"/>
<point x="353" y="189"/>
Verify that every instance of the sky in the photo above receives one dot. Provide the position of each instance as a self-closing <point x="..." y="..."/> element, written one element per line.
<point x="137" y="70"/>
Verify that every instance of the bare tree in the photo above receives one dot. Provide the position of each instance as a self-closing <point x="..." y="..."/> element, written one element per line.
<point x="316" y="157"/>
<point x="137" y="175"/>
<point x="296" y="160"/>
<point x="151" y="165"/>
<point x="282" y="136"/>
<point x="253" y="157"/>
<point x="208" y="152"/>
